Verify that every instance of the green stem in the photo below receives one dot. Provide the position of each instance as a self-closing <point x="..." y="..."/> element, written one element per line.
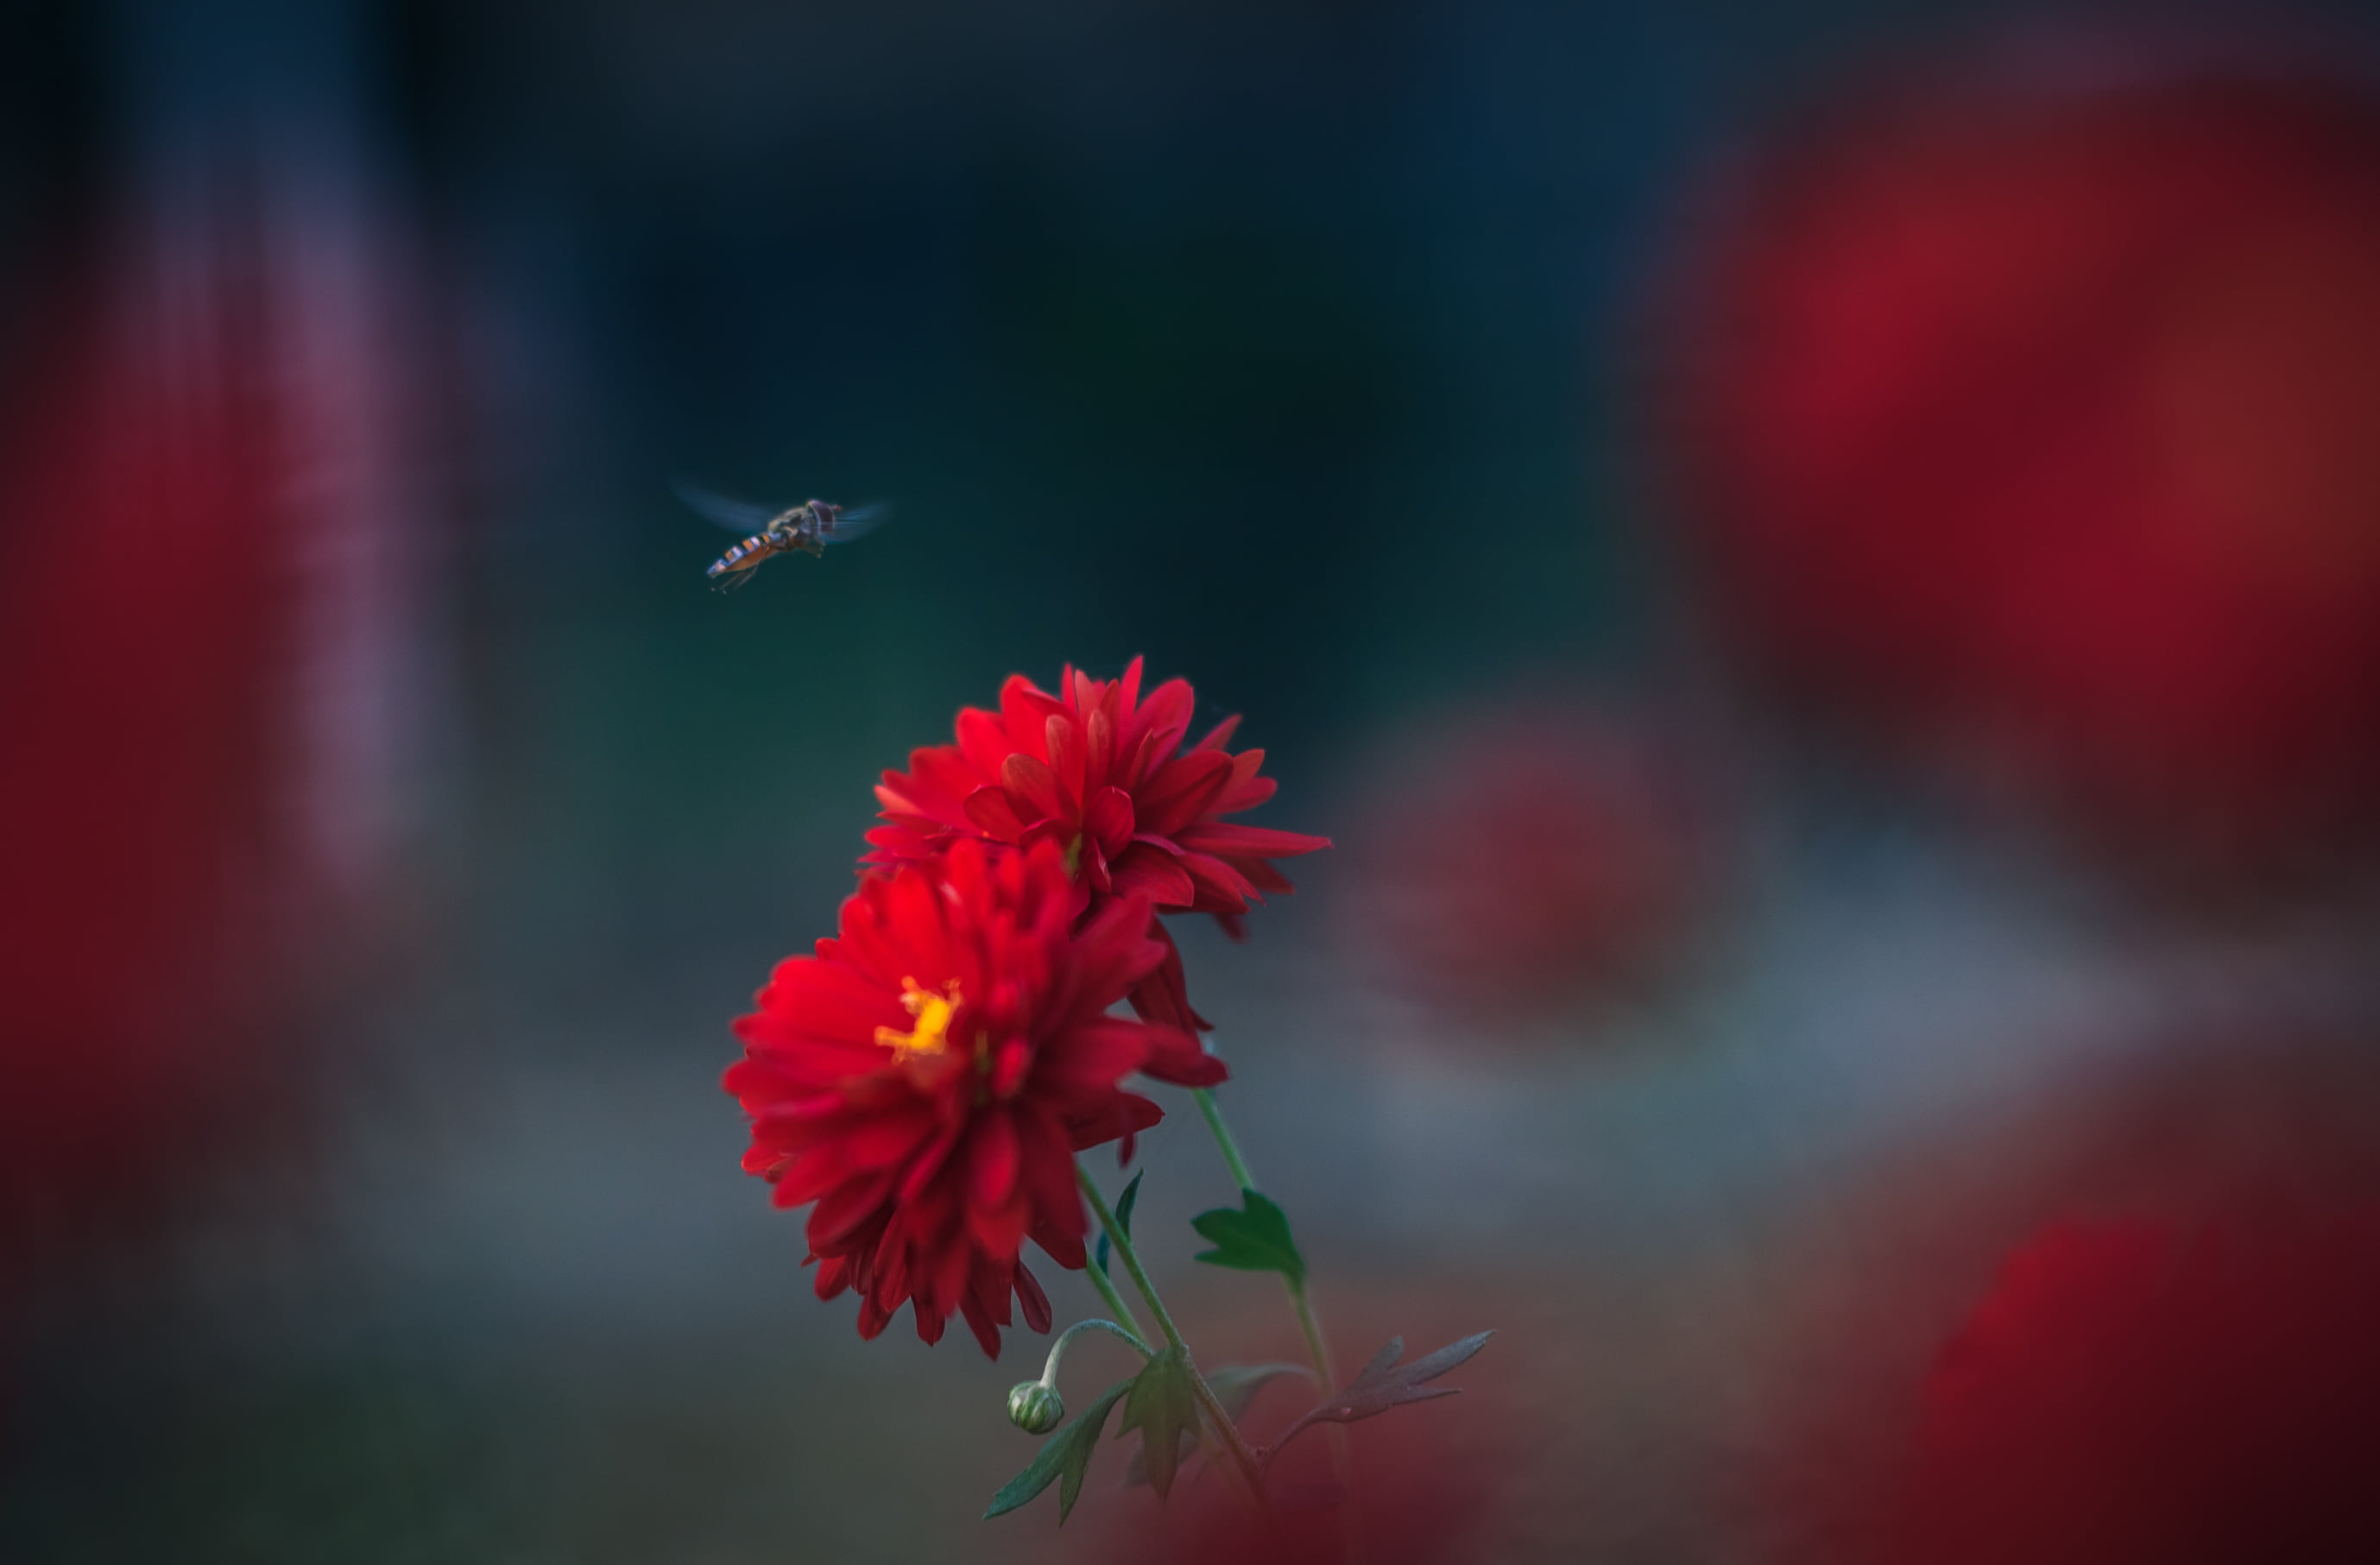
<point x="1121" y="1243"/>
<point x="1058" y="1348"/>
<point x="1317" y="1351"/>
<point x="1204" y="1098"/>
<point x="1114" y="1301"/>
<point x="1244" y="1457"/>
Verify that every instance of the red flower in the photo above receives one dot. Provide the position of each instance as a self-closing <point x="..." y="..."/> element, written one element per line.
<point x="2146" y="1392"/>
<point x="2036" y="428"/>
<point x="1531" y="854"/>
<point x="927" y="1077"/>
<point x="1103" y="774"/>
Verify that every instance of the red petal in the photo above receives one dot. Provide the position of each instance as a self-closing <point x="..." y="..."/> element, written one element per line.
<point x="1009" y="1062"/>
<point x="1108" y="820"/>
<point x="1218" y="884"/>
<point x="1123" y="1114"/>
<point x="1245" y="795"/>
<point x="986" y="1336"/>
<point x="1163" y="996"/>
<point x="1247" y="790"/>
<point x="1064" y="740"/>
<point x="983" y="742"/>
<point x="922" y="1171"/>
<point x="809" y="1176"/>
<point x="992" y="1160"/>
<point x="1165" y="717"/>
<point x="1023" y="708"/>
<point x="1063" y="1249"/>
<point x="842" y="1212"/>
<point x="1049" y="1183"/>
<point x="929" y="1326"/>
<point x="1249" y="841"/>
<point x="1153" y="872"/>
<point x="1032" y="787"/>
<point x="1099" y="1052"/>
<point x="1263" y="876"/>
<point x="880" y="1143"/>
<point x="989" y="810"/>
<point x="1029" y="1297"/>
<point x="1100" y="768"/>
<point x="1221" y="735"/>
<point x="1000" y="1231"/>
<point x="1183" y="790"/>
<point x="1176" y="1057"/>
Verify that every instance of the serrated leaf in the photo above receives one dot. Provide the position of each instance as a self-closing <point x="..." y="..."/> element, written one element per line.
<point x="1254" y="1238"/>
<point x="1064" y="1457"/>
<point x="1124" y="1218"/>
<point x="1235" y="1387"/>
<point x="1162" y="1407"/>
<point x="1385" y="1384"/>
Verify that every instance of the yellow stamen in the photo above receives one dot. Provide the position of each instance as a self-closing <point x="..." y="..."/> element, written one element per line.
<point x="933" y="1013"/>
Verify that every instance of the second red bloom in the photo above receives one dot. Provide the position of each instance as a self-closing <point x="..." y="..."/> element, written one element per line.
<point x="1103" y="774"/>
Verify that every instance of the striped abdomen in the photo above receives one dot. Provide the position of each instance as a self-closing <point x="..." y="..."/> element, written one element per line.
<point x="745" y="555"/>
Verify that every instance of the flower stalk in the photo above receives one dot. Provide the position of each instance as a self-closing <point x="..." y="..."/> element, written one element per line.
<point x="1235" y="1445"/>
<point x="1058" y="1348"/>
<point x="1317" y="1350"/>
<point x="1114" y="1301"/>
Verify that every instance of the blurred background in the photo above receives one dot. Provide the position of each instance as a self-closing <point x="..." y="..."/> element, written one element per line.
<point x="1821" y="565"/>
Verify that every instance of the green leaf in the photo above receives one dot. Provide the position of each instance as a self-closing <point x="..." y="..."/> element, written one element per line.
<point x="1122" y="1217"/>
<point x="1235" y="1385"/>
<point x="1162" y="1407"/>
<point x="1065" y="1455"/>
<point x="1385" y="1384"/>
<point x="1253" y="1238"/>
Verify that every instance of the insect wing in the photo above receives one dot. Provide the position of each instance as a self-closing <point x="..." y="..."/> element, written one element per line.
<point x="736" y="515"/>
<point x="856" y="522"/>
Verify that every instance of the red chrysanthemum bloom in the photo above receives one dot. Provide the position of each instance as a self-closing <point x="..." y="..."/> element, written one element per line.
<point x="928" y="1077"/>
<point x="1103" y="774"/>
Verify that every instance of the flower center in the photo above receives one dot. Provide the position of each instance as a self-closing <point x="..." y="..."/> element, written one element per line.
<point x="933" y="1013"/>
<point x="1075" y="857"/>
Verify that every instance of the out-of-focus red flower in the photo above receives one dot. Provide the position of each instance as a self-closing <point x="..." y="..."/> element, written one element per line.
<point x="2037" y="425"/>
<point x="1101" y="773"/>
<point x="2149" y="1391"/>
<point x="205" y="632"/>
<point x="928" y="1077"/>
<point x="1526" y="855"/>
<point x="2128" y="1320"/>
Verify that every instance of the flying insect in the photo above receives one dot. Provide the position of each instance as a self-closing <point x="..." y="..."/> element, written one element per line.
<point x="808" y="528"/>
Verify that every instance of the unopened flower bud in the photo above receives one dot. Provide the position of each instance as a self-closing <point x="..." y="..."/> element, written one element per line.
<point x="1035" y="1407"/>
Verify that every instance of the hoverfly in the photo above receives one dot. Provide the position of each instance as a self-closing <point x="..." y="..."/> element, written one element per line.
<point x="808" y="527"/>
